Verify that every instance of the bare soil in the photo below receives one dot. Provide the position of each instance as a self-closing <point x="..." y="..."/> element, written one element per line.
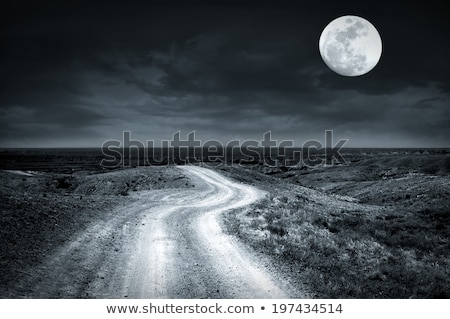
<point x="42" y="211"/>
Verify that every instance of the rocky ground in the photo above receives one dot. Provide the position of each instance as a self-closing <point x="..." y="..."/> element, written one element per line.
<point x="40" y="211"/>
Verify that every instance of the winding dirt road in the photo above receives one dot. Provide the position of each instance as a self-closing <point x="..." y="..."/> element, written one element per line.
<point x="166" y="245"/>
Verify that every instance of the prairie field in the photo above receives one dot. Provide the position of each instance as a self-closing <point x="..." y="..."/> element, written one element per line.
<point x="378" y="227"/>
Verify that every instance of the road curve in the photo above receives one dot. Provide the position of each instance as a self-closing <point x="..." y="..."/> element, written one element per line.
<point x="167" y="245"/>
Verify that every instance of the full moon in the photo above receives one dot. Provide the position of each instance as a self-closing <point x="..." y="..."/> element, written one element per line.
<point x="350" y="46"/>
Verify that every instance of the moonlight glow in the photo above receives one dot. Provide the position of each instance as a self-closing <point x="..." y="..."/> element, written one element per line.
<point x="350" y="46"/>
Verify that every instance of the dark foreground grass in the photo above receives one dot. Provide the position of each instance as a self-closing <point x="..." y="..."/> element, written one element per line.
<point x="345" y="253"/>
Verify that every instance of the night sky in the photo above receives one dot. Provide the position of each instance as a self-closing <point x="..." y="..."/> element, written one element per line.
<point x="75" y="75"/>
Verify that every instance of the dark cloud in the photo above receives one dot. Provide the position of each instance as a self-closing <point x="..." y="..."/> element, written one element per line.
<point x="77" y="74"/>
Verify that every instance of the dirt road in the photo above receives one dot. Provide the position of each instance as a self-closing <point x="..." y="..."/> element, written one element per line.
<point x="169" y="244"/>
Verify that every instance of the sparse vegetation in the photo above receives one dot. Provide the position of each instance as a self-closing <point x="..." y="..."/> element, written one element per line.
<point x="41" y="211"/>
<point x="345" y="254"/>
<point x="391" y="249"/>
<point x="379" y="228"/>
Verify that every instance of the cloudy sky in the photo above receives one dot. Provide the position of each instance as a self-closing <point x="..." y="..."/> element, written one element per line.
<point x="75" y="75"/>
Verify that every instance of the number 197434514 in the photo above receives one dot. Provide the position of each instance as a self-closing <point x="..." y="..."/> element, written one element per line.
<point x="307" y="308"/>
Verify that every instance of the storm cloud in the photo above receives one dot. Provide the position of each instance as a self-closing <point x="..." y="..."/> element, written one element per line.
<point x="79" y="74"/>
